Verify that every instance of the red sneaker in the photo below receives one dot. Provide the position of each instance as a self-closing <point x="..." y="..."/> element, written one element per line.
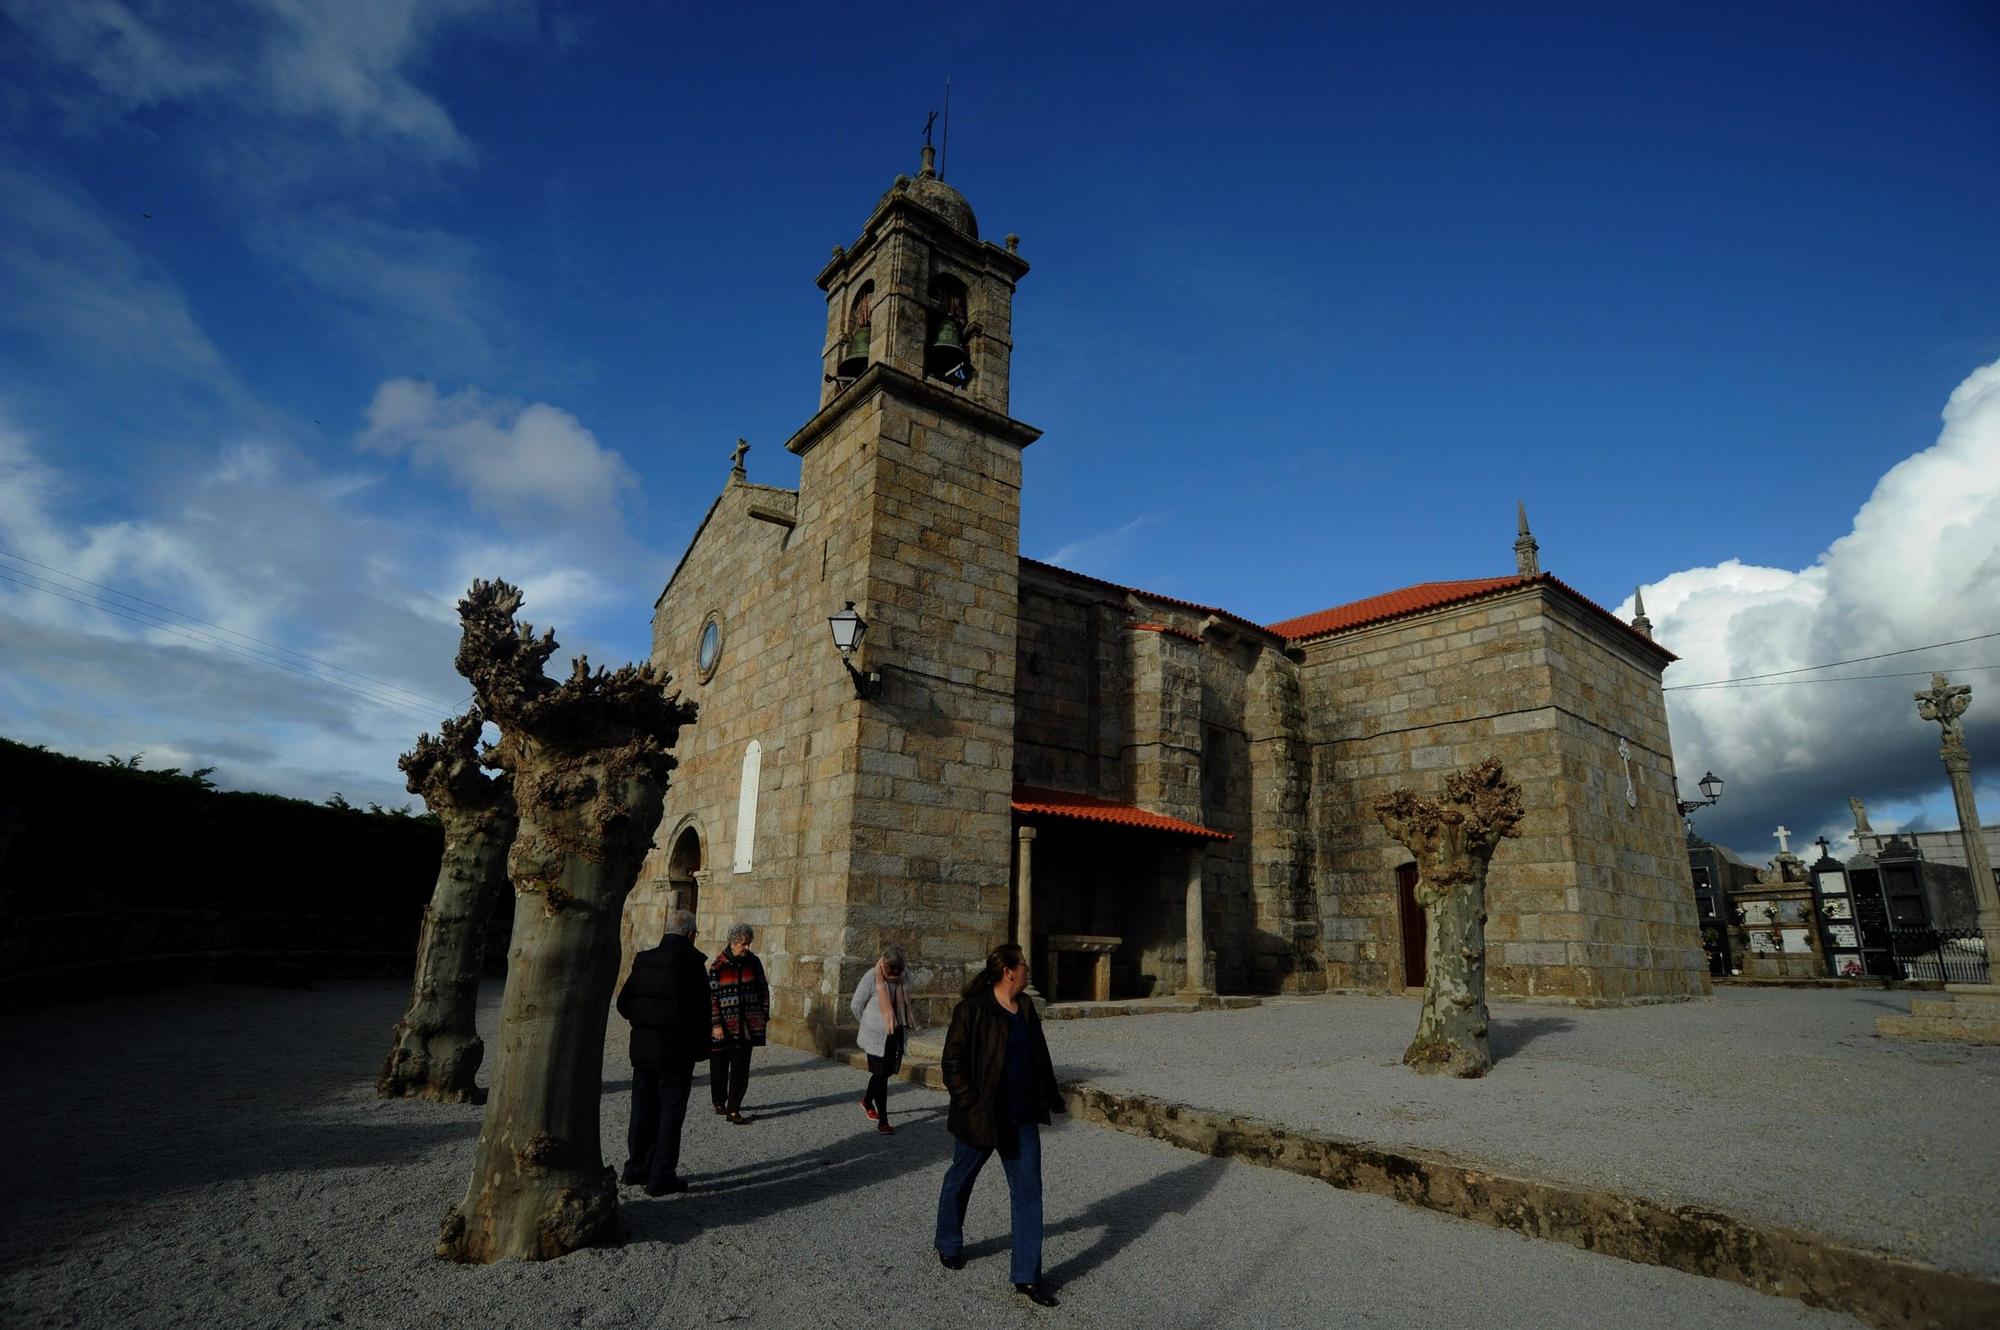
<point x="885" y="1129"/>
<point x="869" y="1109"/>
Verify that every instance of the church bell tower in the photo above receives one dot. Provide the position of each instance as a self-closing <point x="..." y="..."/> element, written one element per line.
<point x="909" y="497"/>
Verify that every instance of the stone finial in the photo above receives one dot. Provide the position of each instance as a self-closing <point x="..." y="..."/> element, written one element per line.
<point x="1013" y="243"/>
<point x="1639" y="620"/>
<point x="737" y="471"/>
<point x="839" y="253"/>
<point x="1526" y="551"/>
<point x="930" y="162"/>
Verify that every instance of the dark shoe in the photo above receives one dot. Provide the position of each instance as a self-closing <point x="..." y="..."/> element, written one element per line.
<point x="633" y="1176"/>
<point x="884" y="1128"/>
<point x="720" y="1110"/>
<point x="869" y="1109"/>
<point x="739" y="1119"/>
<point x="668" y="1188"/>
<point x="1036" y="1294"/>
<point x="952" y="1262"/>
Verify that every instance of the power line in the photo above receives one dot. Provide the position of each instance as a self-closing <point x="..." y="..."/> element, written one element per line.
<point x="144" y="619"/>
<point x="1858" y="660"/>
<point x="396" y="689"/>
<point x="1843" y="678"/>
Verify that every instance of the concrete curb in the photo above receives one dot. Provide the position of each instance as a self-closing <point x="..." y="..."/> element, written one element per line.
<point x="1883" y="1289"/>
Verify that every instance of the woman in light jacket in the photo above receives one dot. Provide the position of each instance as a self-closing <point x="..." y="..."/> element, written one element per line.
<point x="882" y="1004"/>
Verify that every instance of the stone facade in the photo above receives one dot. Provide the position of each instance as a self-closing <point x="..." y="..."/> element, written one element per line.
<point x="1217" y="771"/>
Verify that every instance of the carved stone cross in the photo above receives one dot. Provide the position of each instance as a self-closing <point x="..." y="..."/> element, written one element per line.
<point x="1784" y="835"/>
<point x="1944" y="702"/>
<point x="736" y="457"/>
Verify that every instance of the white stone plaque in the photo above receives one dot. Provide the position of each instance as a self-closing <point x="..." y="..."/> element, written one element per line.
<point x="746" y="805"/>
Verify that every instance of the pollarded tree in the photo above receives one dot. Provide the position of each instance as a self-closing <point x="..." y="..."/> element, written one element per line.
<point x="436" y="1050"/>
<point x="588" y="760"/>
<point x="1453" y="840"/>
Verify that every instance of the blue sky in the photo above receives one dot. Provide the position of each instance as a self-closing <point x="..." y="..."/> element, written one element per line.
<point x="312" y="311"/>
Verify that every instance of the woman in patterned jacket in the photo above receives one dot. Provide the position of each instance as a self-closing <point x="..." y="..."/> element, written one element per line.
<point x="739" y="1005"/>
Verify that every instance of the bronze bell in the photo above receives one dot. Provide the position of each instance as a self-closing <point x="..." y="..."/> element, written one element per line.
<point x="945" y="357"/>
<point x="854" y="360"/>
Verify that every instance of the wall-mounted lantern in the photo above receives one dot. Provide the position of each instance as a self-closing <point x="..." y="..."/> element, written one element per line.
<point x="848" y="630"/>
<point x="1711" y="792"/>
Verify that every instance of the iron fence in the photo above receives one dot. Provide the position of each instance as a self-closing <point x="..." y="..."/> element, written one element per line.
<point x="1947" y="955"/>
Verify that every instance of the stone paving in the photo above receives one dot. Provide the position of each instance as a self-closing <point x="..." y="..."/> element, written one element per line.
<point x="1770" y="1104"/>
<point x="216" y="1157"/>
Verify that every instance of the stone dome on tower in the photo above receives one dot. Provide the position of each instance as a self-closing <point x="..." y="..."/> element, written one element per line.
<point x="932" y="193"/>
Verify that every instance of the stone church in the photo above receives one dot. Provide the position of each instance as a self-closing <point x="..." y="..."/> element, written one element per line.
<point x="1157" y="797"/>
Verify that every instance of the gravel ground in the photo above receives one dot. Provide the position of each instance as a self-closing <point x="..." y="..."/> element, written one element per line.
<point x="1775" y="1104"/>
<point x="216" y="1157"/>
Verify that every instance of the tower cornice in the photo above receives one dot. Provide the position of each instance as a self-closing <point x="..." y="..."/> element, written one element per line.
<point x="882" y="378"/>
<point x="900" y="209"/>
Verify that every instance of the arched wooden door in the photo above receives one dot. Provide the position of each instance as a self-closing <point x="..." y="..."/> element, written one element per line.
<point x="683" y="867"/>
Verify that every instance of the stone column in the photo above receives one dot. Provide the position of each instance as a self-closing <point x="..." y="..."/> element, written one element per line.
<point x="1195" y="984"/>
<point x="1024" y="901"/>
<point x="1944" y="702"/>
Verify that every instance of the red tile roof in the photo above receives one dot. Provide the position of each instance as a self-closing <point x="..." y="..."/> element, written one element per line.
<point x="1435" y="595"/>
<point x="1034" y="800"/>
<point x="1392" y="605"/>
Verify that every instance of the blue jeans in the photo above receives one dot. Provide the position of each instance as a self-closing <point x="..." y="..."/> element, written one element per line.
<point x="1023" y="1167"/>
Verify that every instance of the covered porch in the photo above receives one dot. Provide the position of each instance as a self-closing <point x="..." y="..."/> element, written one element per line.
<point x="1108" y="900"/>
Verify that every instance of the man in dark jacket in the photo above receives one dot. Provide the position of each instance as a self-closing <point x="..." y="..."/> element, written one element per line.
<point x="666" y="999"/>
<point x="1003" y="1088"/>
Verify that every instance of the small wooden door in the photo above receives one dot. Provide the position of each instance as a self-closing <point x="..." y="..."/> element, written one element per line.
<point x="1414" y="926"/>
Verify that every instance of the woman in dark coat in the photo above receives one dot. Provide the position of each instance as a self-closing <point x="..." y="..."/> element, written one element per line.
<point x="739" y="1008"/>
<point x="1003" y="1088"/>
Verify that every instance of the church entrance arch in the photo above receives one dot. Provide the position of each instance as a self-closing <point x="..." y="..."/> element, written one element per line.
<point x="684" y="872"/>
<point x="1415" y="928"/>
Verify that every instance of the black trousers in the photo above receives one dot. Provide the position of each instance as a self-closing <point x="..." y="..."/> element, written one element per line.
<point x="729" y="1076"/>
<point x="880" y="1069"/>
<point x="659" y="1107"/>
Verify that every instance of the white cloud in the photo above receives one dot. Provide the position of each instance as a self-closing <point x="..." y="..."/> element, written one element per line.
<point x="286" y="650"/>
<point x="1102" y="548"/>
<point x="126" y="55"/>
<point x="329" y="62"/>
<point x="1921" y="565"/>
<point x="413" y="294"/>
<point x="514" y="459"/>
<point x="65" y="275"/>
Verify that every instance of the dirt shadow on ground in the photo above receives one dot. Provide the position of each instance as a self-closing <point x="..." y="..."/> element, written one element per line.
<point x="1508" y="1037"/>
<point x="1120" y="1219"/>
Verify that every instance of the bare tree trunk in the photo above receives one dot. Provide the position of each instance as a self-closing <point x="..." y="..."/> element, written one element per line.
<point x="436" y="1049"/>
<point x="1453" y="840"/>
<point x="589" y="762"/>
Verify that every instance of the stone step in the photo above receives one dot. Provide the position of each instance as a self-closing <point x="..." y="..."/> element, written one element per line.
<point x="1956" y="1029"/>
<point x="919" y="1067"/>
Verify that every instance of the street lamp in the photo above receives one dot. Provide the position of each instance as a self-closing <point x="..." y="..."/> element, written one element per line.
<point x="1711" y="792"/>
<point x="848" y="630"/>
